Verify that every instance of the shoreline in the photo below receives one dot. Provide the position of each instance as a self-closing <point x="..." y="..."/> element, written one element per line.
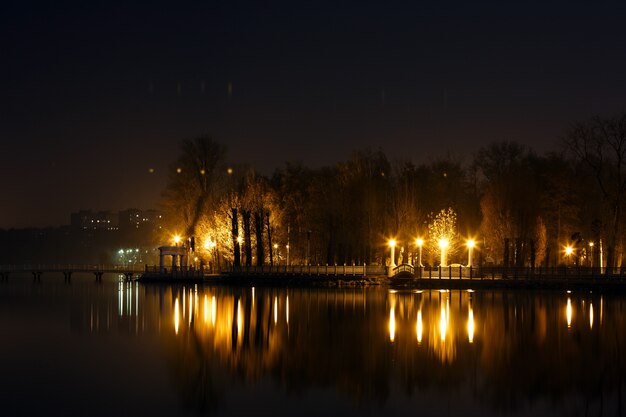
<point x="536" y="283"/>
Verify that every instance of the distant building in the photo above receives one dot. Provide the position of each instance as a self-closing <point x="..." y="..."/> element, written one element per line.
<point x="88" y="220"/>
<point x="139" y="219"/>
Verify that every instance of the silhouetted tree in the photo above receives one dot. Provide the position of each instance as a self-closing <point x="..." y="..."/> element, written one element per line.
<point x="600" y="144"/>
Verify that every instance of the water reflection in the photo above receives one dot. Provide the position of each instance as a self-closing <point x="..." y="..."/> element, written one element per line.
<point x="509" y="353"/>
<point x="568" y="312"/>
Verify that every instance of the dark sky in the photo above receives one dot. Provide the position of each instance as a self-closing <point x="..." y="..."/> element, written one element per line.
<point x="92" y="95"/>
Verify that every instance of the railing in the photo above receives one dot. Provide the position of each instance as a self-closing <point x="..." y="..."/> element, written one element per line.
<point x="404" y="269"/>
<point x="313" y="270"/>
<point x="520" y="273"/>
<point x="72" y="268"/>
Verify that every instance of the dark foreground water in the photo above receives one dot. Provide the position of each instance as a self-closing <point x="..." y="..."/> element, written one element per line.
<point x="88" y="349"/>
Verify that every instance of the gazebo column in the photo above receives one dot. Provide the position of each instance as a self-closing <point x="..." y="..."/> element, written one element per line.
<point x="161" y="265"/>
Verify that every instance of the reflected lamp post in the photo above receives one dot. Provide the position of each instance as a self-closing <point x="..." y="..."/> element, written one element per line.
<point x="443" y="246"/>
<point x="419" y="242"/>
<point x="470" y="251"/>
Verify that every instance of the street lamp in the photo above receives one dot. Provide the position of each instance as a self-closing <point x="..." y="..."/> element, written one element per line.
<point x="591" y="254"/>
<point x="470" y="249"/>
<point x="443" y="245"/>
<point x="177" y="239"/>
<point x="392" y="245"/>
<point x="287" y="246"/>
<point x="277" y="254"/>
<point x="419" y="242"/>
<point x="568" y="252"/>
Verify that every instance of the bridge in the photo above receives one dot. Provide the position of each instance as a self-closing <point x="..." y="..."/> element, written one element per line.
<point x="448" y="272"/>
<point x="67" y="270"/>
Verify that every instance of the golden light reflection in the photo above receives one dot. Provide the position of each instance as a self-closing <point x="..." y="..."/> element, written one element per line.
<point x="419" y="327"/>
<point x="239" y="321"/>
<point x="213" y="310"/>
<point x="275" y="310"/>
<point x="190" y="305"/>
<point x="206" y="309"/>
<point x="443" y="323"/>
<point x="470" y="324"/>
<point x="287" y="310"/>
<point x="568" y="312"/>
<point x="601" y="310"/>
<point x="392" y="324"/>
<point x="591" y="315"/>
<point x="176" y="316"/>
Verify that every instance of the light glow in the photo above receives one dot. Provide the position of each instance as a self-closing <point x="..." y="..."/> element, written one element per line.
<point x="470" y="324"/>
<point x="176" y="316"/>
<point x="568" y="312"/>
<point x="419" y="327"/>
<point x="392" y="325"/>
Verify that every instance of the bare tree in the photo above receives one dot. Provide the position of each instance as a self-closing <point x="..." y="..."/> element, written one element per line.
<point x="600" y="144"/>
<point x="193" y="181"/>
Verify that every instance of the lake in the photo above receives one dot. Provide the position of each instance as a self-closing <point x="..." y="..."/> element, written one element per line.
<point x="124" y="348"/>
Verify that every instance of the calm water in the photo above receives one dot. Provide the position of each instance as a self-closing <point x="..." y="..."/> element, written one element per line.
<point x="129" y="349"/>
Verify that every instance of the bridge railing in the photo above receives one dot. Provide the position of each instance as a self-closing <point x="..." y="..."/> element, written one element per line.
<point x="521" y="273"/>
<point x="72" y="268"/>
<point x="322" y="270"/>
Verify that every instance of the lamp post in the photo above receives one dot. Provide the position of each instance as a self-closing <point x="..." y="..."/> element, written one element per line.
<point x="287" y="246"/>
<point x="392" y="265"/>
<point x="277" y="254"/>
<point x="470" y="249"/>
<point x="591" y="254"/>
<point x="177" y="239"/>
<point x="392" y="245"/>
<point x="419" y="242"/>
<point x="443" y="245"/>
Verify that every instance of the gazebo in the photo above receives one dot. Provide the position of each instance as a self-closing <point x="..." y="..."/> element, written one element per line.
<point x="179" y="256"/>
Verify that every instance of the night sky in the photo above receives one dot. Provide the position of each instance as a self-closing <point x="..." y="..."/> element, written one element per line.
<point x="93" y="95"/>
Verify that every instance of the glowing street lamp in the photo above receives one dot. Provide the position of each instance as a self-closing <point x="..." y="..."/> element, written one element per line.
<point x="470" y="249"/>
<point x="443" y="245"/>
<point x="277" y="254"/>
<point x="419" y="242"/>
<point x="591" y="254"/>
<point x="177" y="239"/>
<point x="568" y="252"/>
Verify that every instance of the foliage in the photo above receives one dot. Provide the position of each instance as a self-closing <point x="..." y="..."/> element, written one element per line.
<point x="442" y="226"/>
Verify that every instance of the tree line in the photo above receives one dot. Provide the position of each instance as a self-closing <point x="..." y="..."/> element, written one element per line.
<point x="521" y="208"/>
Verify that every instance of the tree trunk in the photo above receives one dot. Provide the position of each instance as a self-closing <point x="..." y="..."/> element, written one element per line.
<point x="236" y="249"/>
<point x="247" y="237"/>
<point x="269" y="238"/>
<point x="258" y="227"/>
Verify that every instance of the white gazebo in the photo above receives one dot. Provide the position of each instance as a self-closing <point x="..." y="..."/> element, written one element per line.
<point x="179" y="256"/>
